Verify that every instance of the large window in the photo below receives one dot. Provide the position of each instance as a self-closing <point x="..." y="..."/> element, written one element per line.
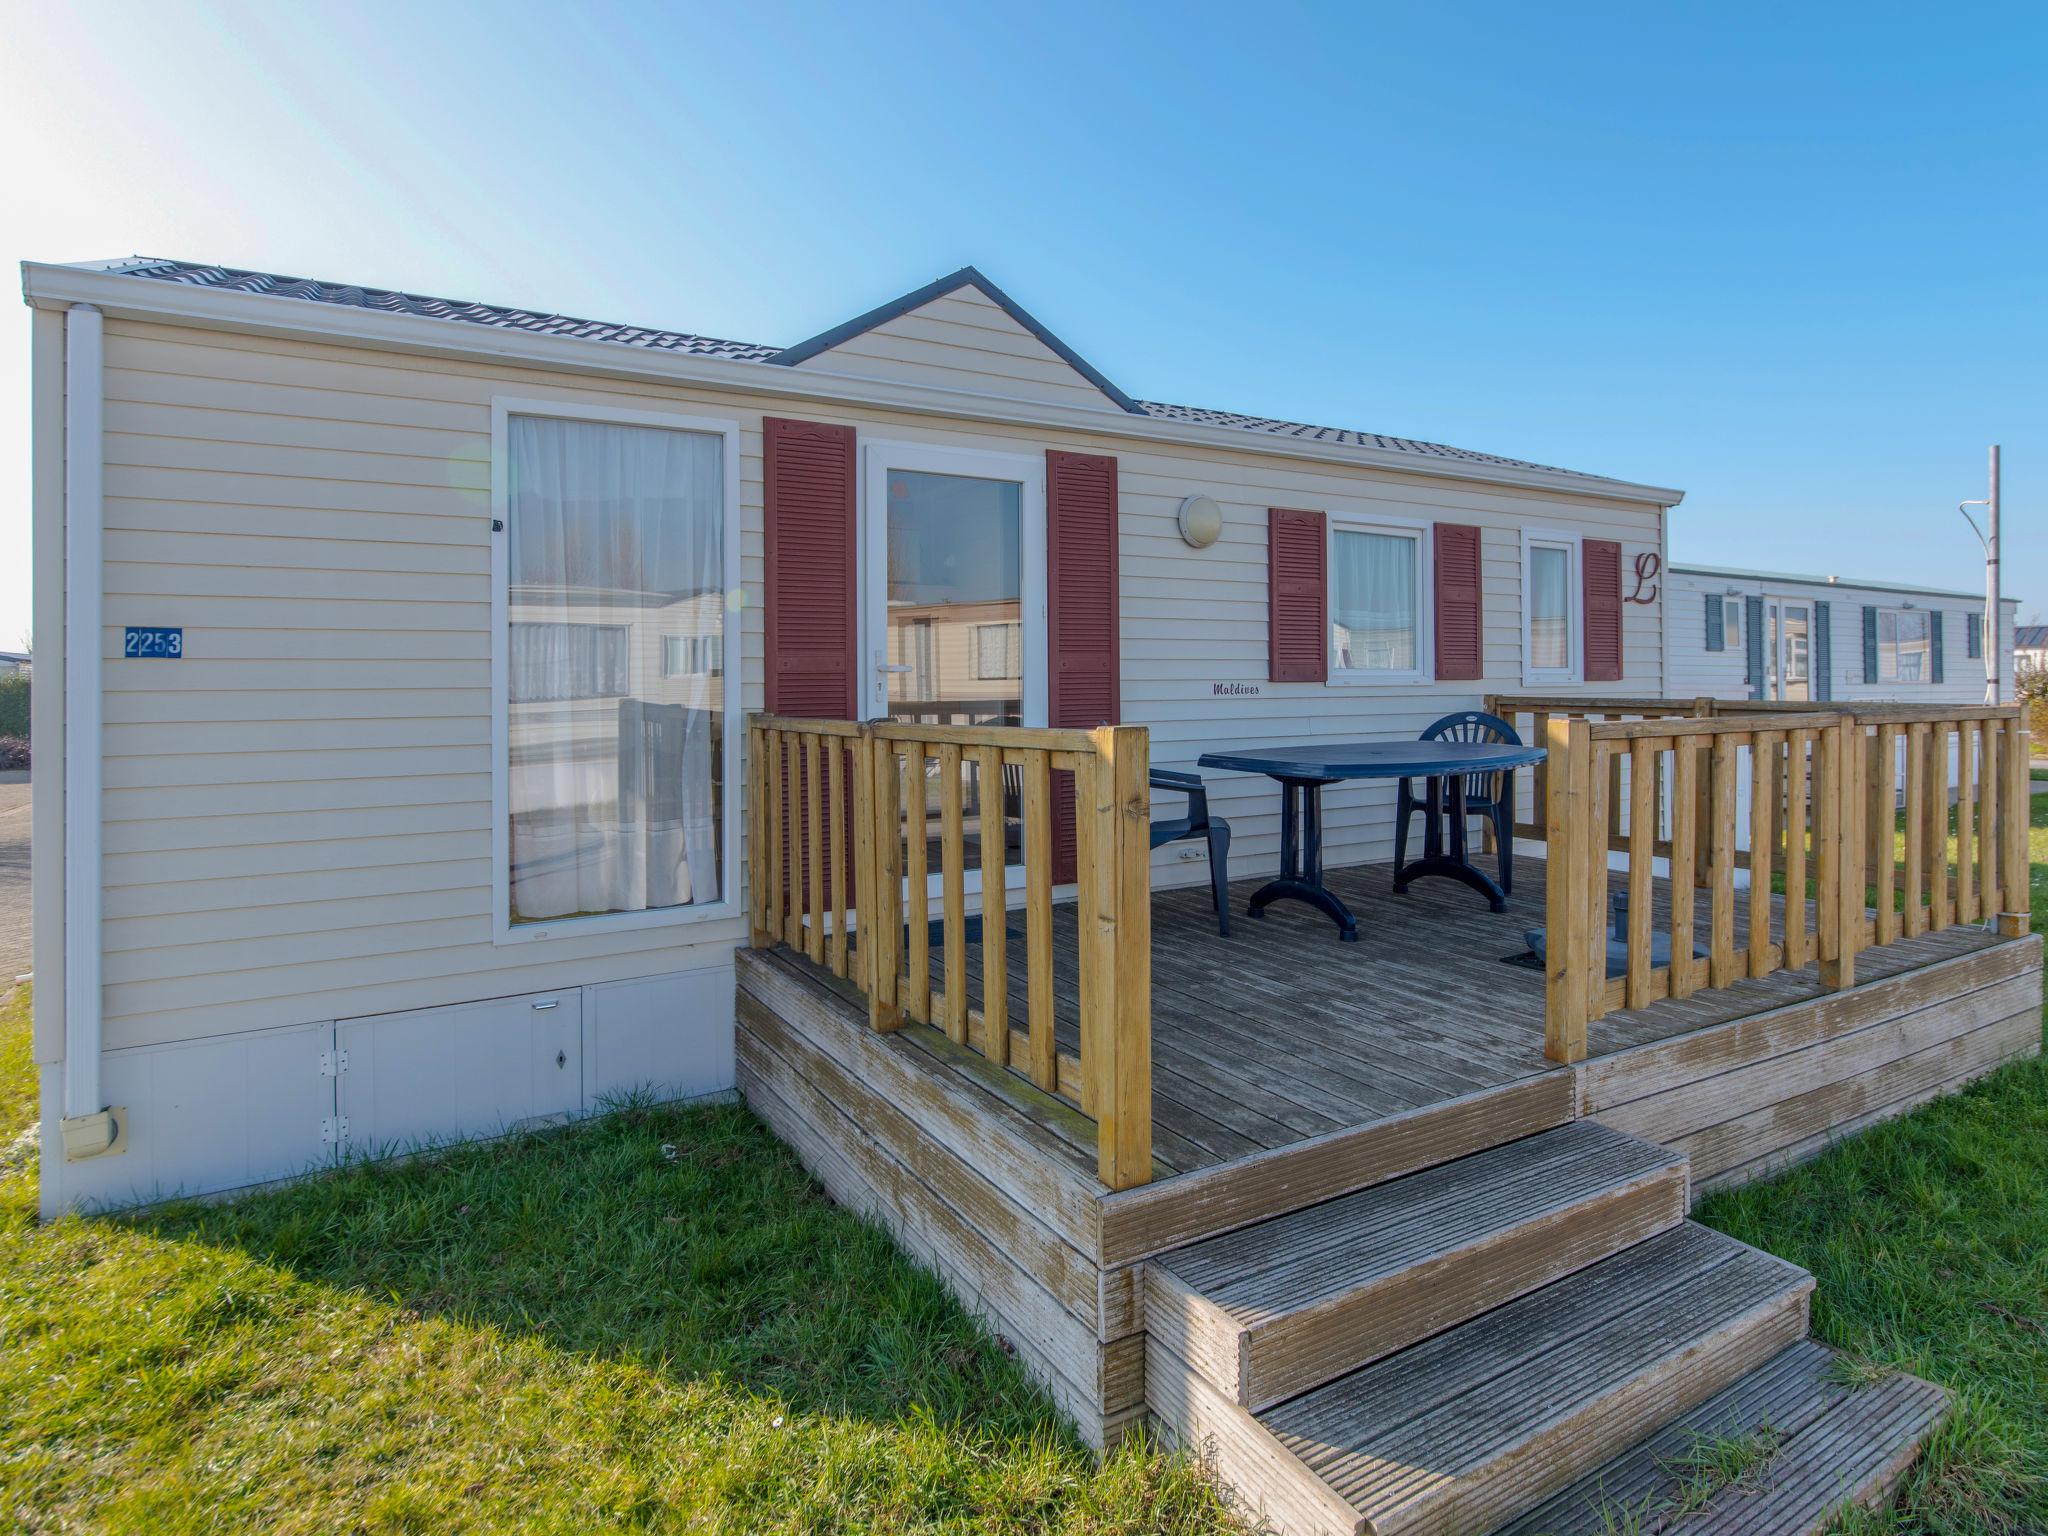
<point x="1905" y="648"/>
<point x="1550" y="609"/>
<point x="1376" y="603"/>
<point x="614" y="734"/>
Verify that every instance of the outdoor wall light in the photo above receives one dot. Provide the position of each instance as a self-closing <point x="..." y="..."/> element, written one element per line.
<point x="1201" y="521"/>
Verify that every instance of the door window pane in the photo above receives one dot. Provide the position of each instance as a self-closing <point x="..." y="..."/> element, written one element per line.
<point x="956" y="599"/>
<point x="1550" y="608"/>
<point x="615" y="661"/>
<point x="1798" y="686"/>
<point x="1374" y="620"/>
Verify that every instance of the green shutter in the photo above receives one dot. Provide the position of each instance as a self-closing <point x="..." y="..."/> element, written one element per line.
<point x="1934" y="627"/>
<point x="1823" y="653"/>
<point x="1869" y="644"/>
<point x="1973" y="636"/>
<point x="1753" y="625"/>
<point x="1717" y="633"/>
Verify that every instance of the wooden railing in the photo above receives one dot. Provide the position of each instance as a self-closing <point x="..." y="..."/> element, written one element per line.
<point x="839" y="872"/>
<point x="1812" y="797"/>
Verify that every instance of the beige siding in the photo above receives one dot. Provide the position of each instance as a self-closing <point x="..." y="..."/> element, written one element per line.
<point x="964" y="340"/>
<point x="298" y="815"/>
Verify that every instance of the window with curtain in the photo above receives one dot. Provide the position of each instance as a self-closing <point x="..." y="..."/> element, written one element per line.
<point x="1905" y="647"/>
<point x="615" y="688"/>
<point x="1375" y="601"/>
<point x="1548" y="595"/>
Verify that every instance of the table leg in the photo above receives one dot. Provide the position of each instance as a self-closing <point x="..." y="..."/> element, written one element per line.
<point x="1457" y="864"/>
<point x="1301" y="859"/>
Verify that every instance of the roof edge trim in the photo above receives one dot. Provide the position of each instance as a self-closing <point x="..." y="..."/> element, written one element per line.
<point x="966" y="277"/>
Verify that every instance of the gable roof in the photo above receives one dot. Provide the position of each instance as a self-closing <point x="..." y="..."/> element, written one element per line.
<point x="917" y="298"/>
<point x="649" y="339"/>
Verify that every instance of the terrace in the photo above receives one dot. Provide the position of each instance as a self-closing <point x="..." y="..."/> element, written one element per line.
<point x="1065" y="1105"/>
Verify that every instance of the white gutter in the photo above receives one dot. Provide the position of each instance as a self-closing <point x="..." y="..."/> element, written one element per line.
<point x="89" y="1129"/>
<point x="158" y="302"/>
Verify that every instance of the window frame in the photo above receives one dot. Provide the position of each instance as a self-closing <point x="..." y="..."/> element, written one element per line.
<point x="728" y="906"/>
<point x="1731" y="626"/>
<point x="1574" y="671"/>
<point x="1927" y="646"/>
<point x="1424" y="669"/>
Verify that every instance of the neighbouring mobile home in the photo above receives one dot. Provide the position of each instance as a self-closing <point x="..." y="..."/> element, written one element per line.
<point x="1798" y="639"/>
<point x="469" y="715"/>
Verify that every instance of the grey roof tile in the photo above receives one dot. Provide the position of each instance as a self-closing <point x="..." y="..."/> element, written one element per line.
<point x="235" y="279"/>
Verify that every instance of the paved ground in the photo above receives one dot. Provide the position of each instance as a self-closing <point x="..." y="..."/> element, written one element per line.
<point x="14" y="945"/>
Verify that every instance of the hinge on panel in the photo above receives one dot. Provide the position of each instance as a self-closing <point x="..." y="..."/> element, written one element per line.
<point x="334" y="1129"/>
<point x="333" y="1063"/>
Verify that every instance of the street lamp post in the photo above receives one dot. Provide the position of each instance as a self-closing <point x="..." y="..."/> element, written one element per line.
<point x="1988" y="537"/>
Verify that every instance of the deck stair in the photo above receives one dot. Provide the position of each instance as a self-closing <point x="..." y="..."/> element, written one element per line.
<point x="1444" y="1353"/>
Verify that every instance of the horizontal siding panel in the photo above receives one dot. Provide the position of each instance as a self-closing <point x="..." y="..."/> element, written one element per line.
<point x="175" y="963"/>
<point x="236" y="802"/>
<point x="471" y="473"/>
<point x="198" y="769"/>
<point x="164" y="706"/>
<point x="312" y="858"/>
<point x="125" y="577"/>
<point x="306" y="738"/>
<point x="302" y="885"/>
<point x="337" y="643"/>
<point x="241" y="427"/>
<point x="186" y="389"/>
<point x="202" y="934"/>
<point x="189" y="832"/>
<point x="144" y="515"/>
<point x="315" y="616"/>
<point x="266" y="552"/>
<point x="210" y="486"/>
<point x="200" y="673"/>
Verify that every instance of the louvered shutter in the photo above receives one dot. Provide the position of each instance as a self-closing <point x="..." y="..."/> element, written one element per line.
<point x="1082" y="614"/>
<point x="1869" y="644"/>
<point x="1823" y="652"/>
<point x="811" y="612"/>
<point x="1934" y="629"/>
<point x="1600" y="583"/>
<point x="1297" y="599"/>
<point x="1973" y="636"/>
<point x="1717" y="627"/>
<point x="1459" y="613"/>
<point x="1753" y="641"/>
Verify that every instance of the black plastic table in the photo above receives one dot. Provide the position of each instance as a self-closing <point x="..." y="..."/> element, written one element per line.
<point x="1304" y="771"/>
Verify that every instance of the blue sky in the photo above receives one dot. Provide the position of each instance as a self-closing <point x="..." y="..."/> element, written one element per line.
<point x="1788" y="259"/>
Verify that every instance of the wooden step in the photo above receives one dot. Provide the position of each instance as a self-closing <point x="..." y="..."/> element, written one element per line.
<point x="1270" y="1311"/>
<point x="1781" y="1452"/>
<point x="1464" y="1430"/>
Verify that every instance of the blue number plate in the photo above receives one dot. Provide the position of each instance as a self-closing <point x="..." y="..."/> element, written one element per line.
<point x="155" y="640"/>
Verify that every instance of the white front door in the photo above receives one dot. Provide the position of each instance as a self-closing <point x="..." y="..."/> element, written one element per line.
<point x="1788" y="649"/>
<point x="953" y="606"/>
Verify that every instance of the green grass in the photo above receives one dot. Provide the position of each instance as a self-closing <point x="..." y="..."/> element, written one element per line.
<point x="1928" y="1236"/>
<point x="655" y="1321"/>
<point x="652" y="1321"/>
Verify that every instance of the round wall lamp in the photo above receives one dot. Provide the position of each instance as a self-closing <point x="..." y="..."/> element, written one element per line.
<point x="1201" y="521"/>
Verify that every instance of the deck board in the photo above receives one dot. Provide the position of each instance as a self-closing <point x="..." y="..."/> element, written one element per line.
<point x="1280" y="1032"/>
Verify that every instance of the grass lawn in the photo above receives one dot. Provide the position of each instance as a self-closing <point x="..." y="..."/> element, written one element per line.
<point x="655" y="1321"/>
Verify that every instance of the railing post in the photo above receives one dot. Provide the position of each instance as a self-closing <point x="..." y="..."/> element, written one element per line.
<point x="1120" y="1068"/>
<point x="2017" y="918"/>
<point x="1568" y="835"/>
<point x="758" y="875"/>
<point x="1840" y="833"/>
<point x="882" y="922"/>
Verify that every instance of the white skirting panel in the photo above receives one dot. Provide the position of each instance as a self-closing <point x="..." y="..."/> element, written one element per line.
<point x="222" y="1113"/>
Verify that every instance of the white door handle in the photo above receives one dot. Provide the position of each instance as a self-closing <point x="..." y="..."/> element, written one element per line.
<point x="883" y="666"/>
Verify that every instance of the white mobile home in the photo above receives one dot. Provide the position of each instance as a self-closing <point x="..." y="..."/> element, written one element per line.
<point x="1739" y="634"/>
<point x="398" y="649"/>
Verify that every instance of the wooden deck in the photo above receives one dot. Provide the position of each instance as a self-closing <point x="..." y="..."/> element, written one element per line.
<point x="1280" y="1032"/>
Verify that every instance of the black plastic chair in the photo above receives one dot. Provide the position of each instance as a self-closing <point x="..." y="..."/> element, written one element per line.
<point x="1198" y="823"/>
<point x="1491" y="795"/>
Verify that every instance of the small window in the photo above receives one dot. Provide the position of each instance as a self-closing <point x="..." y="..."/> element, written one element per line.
<point x="1376" y="603"/>
<point x="1731" y="625"/>
<point x="553" y="663"/>
<point x="692" y="655"/>
<point x="1550" y="607"/>
<point x="1905" y="649"/>
<point x="998" y="652"/>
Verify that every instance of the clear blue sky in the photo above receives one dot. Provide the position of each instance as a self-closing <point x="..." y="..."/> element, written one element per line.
<point x="1789" y="259"/>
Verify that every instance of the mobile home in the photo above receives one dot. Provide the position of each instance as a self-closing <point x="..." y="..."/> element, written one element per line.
<point x="468" y="714"/>
<point x="1739" y="634"/>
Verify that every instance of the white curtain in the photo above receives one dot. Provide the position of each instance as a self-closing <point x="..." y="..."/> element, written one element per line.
<point x="1550" y="637"/>
<point x="616" y="545"/>
<point x="1374" y="602"/>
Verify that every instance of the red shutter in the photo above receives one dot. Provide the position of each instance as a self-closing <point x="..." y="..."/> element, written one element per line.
<point x="1600" y="561"/>
<point x="1082" y="613"/>
<point x="1297" y="600"/>
<point x="811" y="613"/>
<point x="812" y="616"/>
<point x="1459" y="637"/>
